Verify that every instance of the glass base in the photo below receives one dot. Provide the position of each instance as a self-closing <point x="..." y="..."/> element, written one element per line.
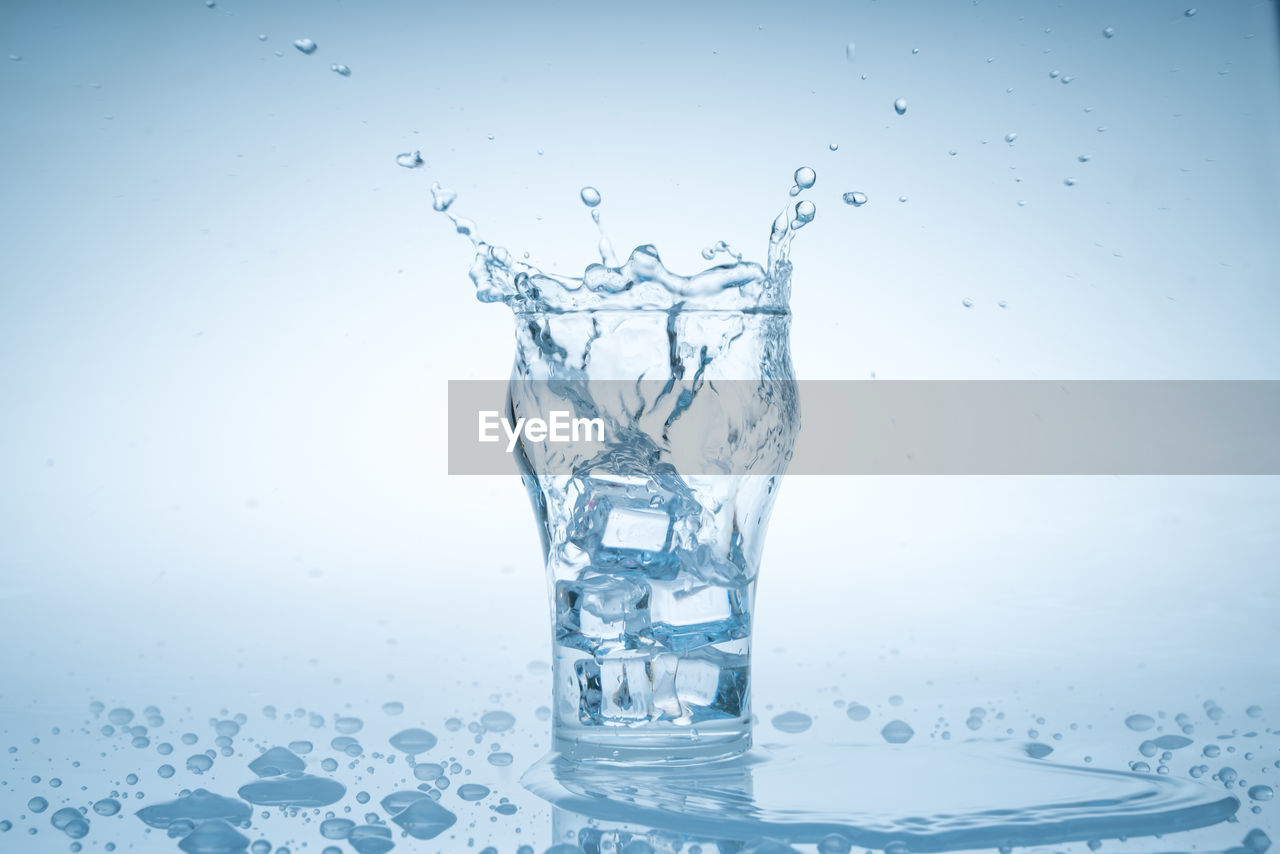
<point x="653" y="744"/>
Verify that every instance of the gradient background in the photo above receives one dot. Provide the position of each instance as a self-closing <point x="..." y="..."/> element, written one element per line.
<point x="227" y="318"/>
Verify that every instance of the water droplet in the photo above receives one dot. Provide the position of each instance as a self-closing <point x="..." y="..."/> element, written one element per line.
<point x="120" y="717"/>
<point x="897" y="732"/>
<point x="497" y="721"/>
<point x="165" y="771"/>
<point x="1191" y="13"/>
<point x="393" y="707"/>
<point x="442" y="197"/>
<point x="199" y="763"/>
<point x="849" y="50"/>
<point x="914" y="51"/>
<point x="106" y="806"/>
<point x="1070" y="182"/>
<point x="423" y="819"/>
<point x="210" y="3"/>
<point x="1054" y="74"/>
<point x="294" y="789"/>
<point x="37" y="804"/>
<point x="834" y="844"/>
<point x="348" y="726"/>
<point x="805" y="177"/>
<point x="413" y="741"/>
<point x="805" y="211"/>
<point x="902" y="199"/>
<point x="966" y="302"/>
<point x="1139" y="723"/>
<point x="590" y="196"/>
<point x="855" y="198"/>
<point x="835" y="146"/>
<point x="1254" y="711"/>
<point x="472" y="791"/>
<point x="13" y="57"/>
<point x="1085" y="158"/>
<point x="1261" y="793"/>
<point x="1108" y="32"/>
<point x="900" y="106"/>
<point x="262" y="37"/>
<point x="339" y="68"/>
<point x="501" y="759"/>
<point x="1067" y="79"/>
<point x="1010" y="137"/>
<point x="307" y="46"/>
<point x="792" y="722"/>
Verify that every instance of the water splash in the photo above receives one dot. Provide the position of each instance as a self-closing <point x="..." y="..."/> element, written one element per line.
<point x="642" y="281"/>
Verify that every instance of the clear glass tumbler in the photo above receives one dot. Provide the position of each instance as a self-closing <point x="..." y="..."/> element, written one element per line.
<point x="653" y="537"/>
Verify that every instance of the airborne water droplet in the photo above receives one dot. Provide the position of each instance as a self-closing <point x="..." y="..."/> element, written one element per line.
<point x="1070" y="182"/>
<point x="1085" y="158"/>
<point x="442" y="197"/>
<point x="339" y="68"/>
<point x="848" y="51"/>
<point x="900" y="106"/>
<point x="590" y="196"/>
<point x="855" y="198"/>
<point x="966" y="302"/>
<point x="835" y="146"/>
<point x="805" y="177"/>
<point x="805" y="211"/>
<point x="307" y="46"/>
<point x="1010" y="137"/>
<point x="409" y="161"/>
<point x="897" y="732"/>
<point x="1108" y="32"/>
<point x="262" y="37"/>
<point x="1191" y="13"/>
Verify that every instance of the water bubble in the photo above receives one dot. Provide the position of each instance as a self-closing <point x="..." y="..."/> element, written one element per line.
<point x="855" y="198"/>
<point x="1139" y="723"/>
<point x="1254" y="711"/>
<point x="199" y="763"/>
<point x="897" y="732"/>
<point x="805" y="212"/>
<point x="63" y="817"/>
<point x="339" y="68"/>
<point x="120" y="717"/>
<point x="900" y="106"/>
<point x="1261" y="793"/>
<point x="590" y="196"/>
<point x="190" y="738"/>
<point x="849" y="50"/>
<point x="792" y="722"/>
<point x="1010" y="137"/>
<point x="307" y="46"/>
<point x="165" y="771"/>
<point x="1191" y="13"/>
<point x="805" y="177"/>
<point x="214" y="835"/>
<point x="329" y="764"/>
<point x="858" y="712"/>
<point x="1070" y="182"/>
<point x="1036" y="750"/>
<point x="394" y="707"/>
<point x="500" y="759"/>
<point x="1108" y="32"/>
<point x="37" y="804"/>
<point x="5" y="826"/>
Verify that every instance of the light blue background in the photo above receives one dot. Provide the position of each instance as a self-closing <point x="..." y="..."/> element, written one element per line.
<point x="227" y="318"/>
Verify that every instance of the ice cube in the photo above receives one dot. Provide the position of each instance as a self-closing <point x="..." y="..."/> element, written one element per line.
<point x="614" y="691"/>
<point x="601" y="613"/>
<point x="686" y="615"/>
<point x="712" y="684"/>
<point x="631" y="523"/>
